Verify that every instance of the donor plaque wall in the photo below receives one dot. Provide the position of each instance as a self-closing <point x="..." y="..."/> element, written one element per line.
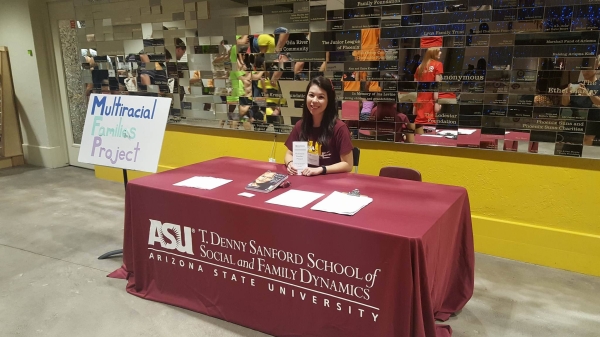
<point x="506" y="75"/>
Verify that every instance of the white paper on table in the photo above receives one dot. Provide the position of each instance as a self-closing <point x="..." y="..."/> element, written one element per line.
<point x="342" y="203"/>
<point x="295" y="198"/>
<point x="466" y="131"/>
<point x="246" y="194"/>
<point x="203" y="183"/>
<point x="300" y="156"/>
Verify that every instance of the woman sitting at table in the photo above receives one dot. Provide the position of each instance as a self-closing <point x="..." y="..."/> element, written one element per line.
<point x="329" y="143"/>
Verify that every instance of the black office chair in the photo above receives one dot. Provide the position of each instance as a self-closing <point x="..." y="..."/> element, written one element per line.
<point x="356" y="156"/>
<point x="400" y="173"/>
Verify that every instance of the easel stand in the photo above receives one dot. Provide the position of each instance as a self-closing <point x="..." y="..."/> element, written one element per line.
<point x="118" y="251"/>
<point x="11" y="149"/>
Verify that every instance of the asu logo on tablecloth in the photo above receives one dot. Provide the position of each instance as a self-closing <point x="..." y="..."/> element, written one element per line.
<point x="169" y="236"/>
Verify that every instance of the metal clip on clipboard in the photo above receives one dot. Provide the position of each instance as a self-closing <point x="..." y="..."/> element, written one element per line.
<point x="355" y="193"/>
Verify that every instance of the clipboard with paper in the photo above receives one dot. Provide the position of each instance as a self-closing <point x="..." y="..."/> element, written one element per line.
<point x="343" y="203"/>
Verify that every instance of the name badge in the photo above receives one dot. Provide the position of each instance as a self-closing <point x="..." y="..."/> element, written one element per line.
<point x="313" y="159"/>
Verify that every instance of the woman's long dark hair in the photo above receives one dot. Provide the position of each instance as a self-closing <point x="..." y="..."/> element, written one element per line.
<point x="330" y="115"/>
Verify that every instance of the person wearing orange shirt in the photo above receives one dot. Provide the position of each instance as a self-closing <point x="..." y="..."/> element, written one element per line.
<point x="351" y="83"/>
<point x="429" y="71"/>
<point x="369" y="46"/>
<point x="369" y="51"/>
<point x="373" y="86"/>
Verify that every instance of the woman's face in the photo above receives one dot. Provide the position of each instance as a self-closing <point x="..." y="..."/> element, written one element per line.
<point x="439" y="55"/>
<point x="589" y="74"/>
<point x="316" y="100"/>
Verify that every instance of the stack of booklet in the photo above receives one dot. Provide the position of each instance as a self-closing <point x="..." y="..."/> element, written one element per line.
<point x="267" y="182"/>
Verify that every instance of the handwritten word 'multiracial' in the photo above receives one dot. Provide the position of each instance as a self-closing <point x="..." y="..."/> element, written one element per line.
<point x="118" y="109"/>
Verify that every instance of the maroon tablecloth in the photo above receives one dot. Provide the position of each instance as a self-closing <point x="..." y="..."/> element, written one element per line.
<point x="390" y="270"/>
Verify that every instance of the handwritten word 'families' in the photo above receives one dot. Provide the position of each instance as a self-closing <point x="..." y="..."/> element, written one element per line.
<point x="118" y="131"/>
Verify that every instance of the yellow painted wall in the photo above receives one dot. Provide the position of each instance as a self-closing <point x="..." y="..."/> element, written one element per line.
<point x="539" y="209"/>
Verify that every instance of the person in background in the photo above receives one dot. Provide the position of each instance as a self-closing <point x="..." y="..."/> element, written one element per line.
<point x="269" y="90"/>
<point x="195" y="77"/>
<point x="224" y="50"/>
<point x="318" y="72"/>
<point x="365" y="111"/>
<point x="428" y="72"/>
<point x="272" y="111"/>
<point x="158" y="75"/>
<point x="328" y="137"/>
<point x="351" y="81"/>
<point x="280" y="38"/>
<point x="238" y="71"/>
<point x="180" y="49"/>
<point x="283" y="35"/>
<point x="248" y="79"/>
<point x="369" y="46"/>
<point x="243" y="44"/>
<point x="266" y="43"/>
<point x="384" y="111"/>
<point x="586" y="95"/>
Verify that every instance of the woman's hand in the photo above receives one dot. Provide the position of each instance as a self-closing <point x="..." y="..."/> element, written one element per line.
<point x="312" y="171"/>
<point x="291" y="170"/>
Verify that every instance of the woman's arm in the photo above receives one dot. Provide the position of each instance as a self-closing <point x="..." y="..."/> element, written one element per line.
<point x="438" y="78"/>
<point x="344" y="166"/>
<point x="288" y="160"/>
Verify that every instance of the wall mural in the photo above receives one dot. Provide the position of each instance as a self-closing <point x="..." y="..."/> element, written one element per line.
<point x="506" y="75"/>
